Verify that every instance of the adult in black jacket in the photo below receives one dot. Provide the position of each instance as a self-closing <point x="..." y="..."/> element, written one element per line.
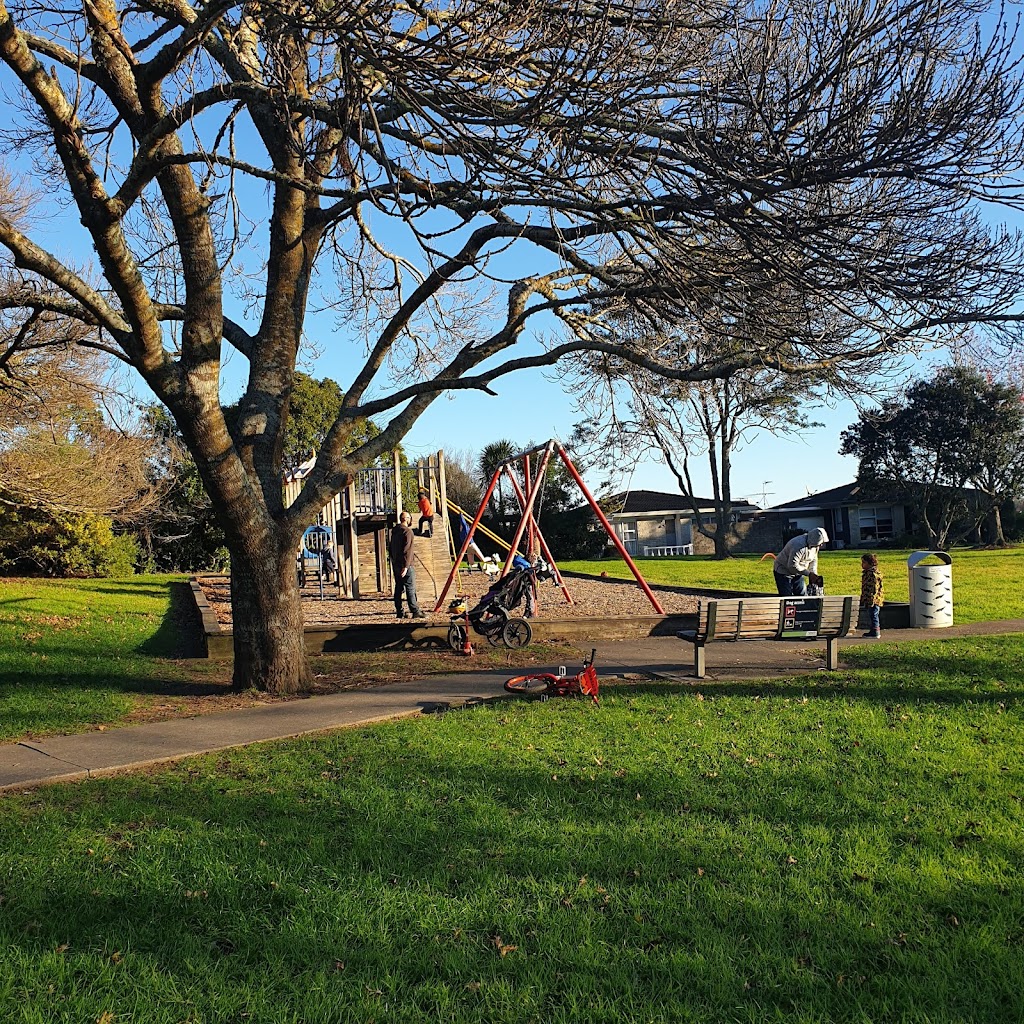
<point x="400" y="546"/>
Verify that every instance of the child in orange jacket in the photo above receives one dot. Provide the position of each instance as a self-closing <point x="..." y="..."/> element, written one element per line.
<point x="426" y="516"/>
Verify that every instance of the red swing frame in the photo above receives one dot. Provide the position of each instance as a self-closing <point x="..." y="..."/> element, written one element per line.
<point x="527" y="522"/>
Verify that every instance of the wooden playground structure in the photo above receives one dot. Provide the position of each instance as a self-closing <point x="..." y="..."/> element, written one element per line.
<point x="360" y="519"/>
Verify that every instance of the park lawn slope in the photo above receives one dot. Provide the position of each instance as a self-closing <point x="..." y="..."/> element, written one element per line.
<point x="828" y="848"/>
<point x="986" y="584"/>
<point x="73" y="652"/>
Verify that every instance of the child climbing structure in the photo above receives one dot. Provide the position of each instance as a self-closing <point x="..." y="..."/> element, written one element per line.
<point x="361" y="518"/>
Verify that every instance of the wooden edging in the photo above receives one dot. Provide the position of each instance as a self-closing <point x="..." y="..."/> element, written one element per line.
<point x="397" y="637"/>
<point x="218" y="642"/>
<point x="212" y="629"/>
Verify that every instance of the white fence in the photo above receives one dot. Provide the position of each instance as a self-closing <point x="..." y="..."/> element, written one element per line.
<point x="667" y="550"/>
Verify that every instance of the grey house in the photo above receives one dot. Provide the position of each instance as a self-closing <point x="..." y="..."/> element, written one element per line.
<point x="653" y="524"/>
<point x="850" y="520"/>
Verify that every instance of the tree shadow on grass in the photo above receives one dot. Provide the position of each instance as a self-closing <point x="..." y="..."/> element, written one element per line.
<point x="179" y="634"/>
<point x="979" y="670"/>
<point x="268" y="874"/>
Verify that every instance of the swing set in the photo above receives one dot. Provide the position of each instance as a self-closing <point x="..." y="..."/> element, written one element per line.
<point x="534" y="465"/>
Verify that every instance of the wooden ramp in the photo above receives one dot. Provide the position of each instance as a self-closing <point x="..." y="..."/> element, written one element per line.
<point x="432" y="561"/>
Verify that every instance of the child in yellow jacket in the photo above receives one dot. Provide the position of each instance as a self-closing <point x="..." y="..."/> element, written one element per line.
<point x="871" y="594"/>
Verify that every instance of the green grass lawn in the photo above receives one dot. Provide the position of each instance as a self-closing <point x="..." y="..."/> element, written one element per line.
<point x="838" y="847"/>
<point x="77" y="654"/>
<point x="73" y="652"/>
<point x="987" y="585"/>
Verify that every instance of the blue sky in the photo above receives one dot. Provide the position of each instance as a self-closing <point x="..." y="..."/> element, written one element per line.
<point x="529" y="406"/>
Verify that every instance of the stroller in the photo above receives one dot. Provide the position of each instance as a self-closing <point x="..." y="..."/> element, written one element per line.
<point x="492" y="616"/>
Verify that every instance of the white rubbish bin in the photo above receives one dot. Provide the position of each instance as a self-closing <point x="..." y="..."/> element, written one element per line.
<point x="931" y="589"/>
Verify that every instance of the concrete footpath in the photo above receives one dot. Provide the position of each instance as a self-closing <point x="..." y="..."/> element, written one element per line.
<point x="64" y="758"/>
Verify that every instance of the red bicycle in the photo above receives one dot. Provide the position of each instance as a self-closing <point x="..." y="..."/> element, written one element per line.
<point x="544" y="685"/>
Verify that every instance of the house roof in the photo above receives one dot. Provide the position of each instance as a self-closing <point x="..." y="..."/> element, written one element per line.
<point x="641" y="502"/>
<point x="845" y="494"/>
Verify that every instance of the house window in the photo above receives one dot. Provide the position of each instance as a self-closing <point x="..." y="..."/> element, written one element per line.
<point x="876" y="524"/>
<point x="670" y="527"/>
<point x="627" y="532"/>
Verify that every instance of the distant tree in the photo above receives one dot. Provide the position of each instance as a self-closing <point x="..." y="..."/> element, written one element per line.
<point x="60" y="450"/>
<point x="493" y="455"/>
<point x="315" y="407"/>
<point x="462" y="480"/>
<point x="1001" y="364"/>
<point x="182" y="533"/>
<point x="949" y="434"/>
<point x="998" y="469"/>
<point x="640" y="412"/>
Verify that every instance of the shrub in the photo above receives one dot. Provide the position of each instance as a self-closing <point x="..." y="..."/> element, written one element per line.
<point x="38" y="543"/>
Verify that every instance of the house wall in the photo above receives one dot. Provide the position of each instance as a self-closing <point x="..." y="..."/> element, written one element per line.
<point x="656" y="531"/>
<point x="639" y="531"/>
<point x="899" y="523"/>
<point x="843" y="524"/>
<point x="754" y="536"/>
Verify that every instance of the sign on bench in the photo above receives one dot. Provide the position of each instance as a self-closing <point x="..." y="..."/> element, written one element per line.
<point x="801" y="617"/>
<point x="771" y="618"/>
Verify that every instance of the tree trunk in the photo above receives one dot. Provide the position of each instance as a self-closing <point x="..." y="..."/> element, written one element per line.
<point x="722" y="535"/>
<point x="266" y="610"/>
<point x="999" y="538"/>
<point x="722" y="480"/>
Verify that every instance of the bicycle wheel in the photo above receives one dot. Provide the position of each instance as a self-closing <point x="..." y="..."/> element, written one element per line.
<point x="456" y="636"/>
<point x="516" y="633"/>
<point x="531" y="686"/>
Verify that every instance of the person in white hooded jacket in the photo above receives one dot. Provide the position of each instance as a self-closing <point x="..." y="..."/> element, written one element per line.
<point x="797" y="560"/>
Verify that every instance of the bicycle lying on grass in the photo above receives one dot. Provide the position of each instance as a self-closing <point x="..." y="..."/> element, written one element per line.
<point x="543" y="685"/>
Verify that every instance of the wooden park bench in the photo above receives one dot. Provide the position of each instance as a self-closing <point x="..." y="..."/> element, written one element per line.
<point x="771" y="618"/>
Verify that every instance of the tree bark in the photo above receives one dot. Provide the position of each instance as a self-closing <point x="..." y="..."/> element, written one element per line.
<point x="999" y="538"/>
<point x="266" y="610"/>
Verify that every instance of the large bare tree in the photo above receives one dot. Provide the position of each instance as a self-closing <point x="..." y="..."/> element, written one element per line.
<point x="445" y="173"/>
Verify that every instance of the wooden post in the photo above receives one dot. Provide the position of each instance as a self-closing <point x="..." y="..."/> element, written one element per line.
<point x="397" y="462"/>
<point x="832" y="657"/>
<point x="442" y="488"/>
<point x="336" y="526"/>
<point x="353" y="541"/>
